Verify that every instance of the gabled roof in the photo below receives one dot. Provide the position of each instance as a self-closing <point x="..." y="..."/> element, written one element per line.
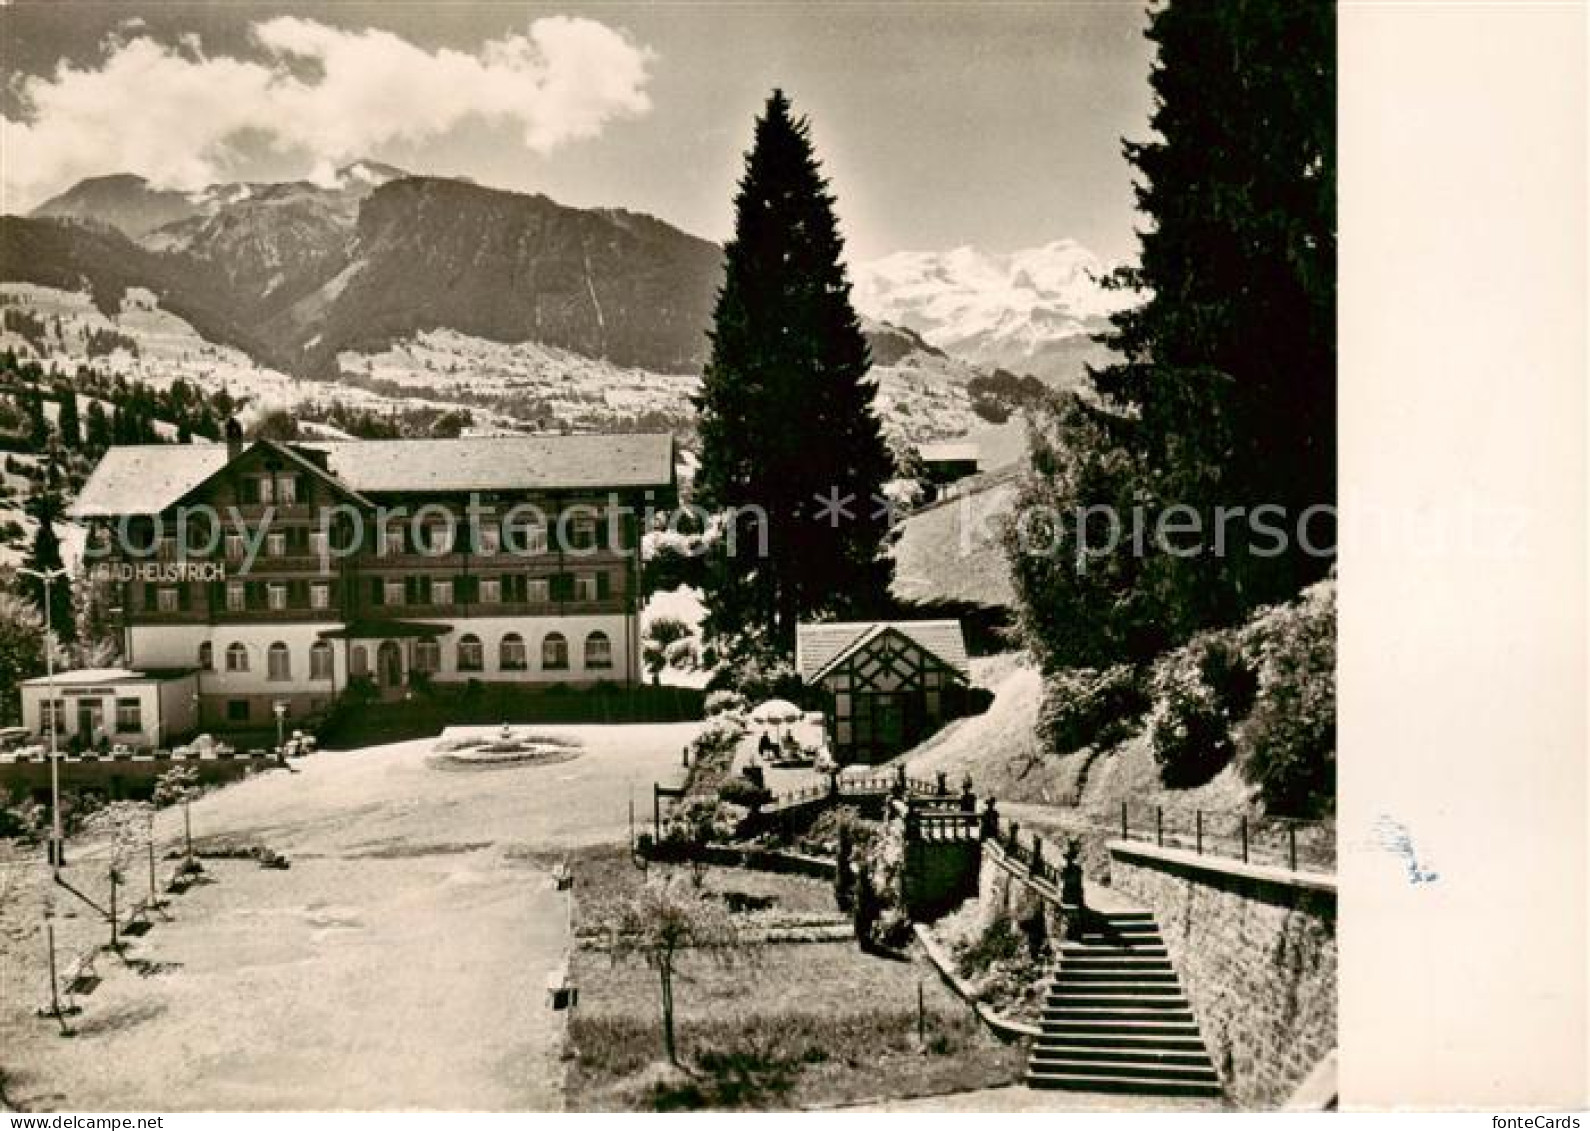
<point x="950" y="451"/>
<point x="150" y="478"/>
<point x="819" y="647"/>
<point x="146" y="478"/>
<point x="502" y="463"/>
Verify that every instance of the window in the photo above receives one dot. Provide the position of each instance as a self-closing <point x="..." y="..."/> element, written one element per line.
<point x="287" y="490"/>
<point x="442" y="592"/>
<point x="562" y="586"/>
<point x="235" y="547"/>
<point x="276" y="596"/>
<point x="582" y="532"/>
<point x="585" y="587"/>
<point x="52" y="715"/>
<point x="207" y="657"/>
<point x="392" y="539"/>
<point x="319" y="543"/>
<point x="166" y="599"/>
<point x="437" y="539"/>
<point x="555" y="651"/>
<point x="490" y="540"/>
<point x="471" y="656"/>
<point x="265" y="488"/>
<point x="320" y="595"/>
<point x="536" y="591"/>
<point x="320" y="660"/>
<point x="490" y="591"/>
<point x="129" y="716"/>
<point x="598" y="651"/>
<point x="392" y="591"/>
<point x="359" y="661"/>
<point x="236" y="598"/>
<point x="525" y="537"/>
<point x="276" y="544"/>
<point x="237" y="710"/>
<point x="278" y="662"/>
<point x="427" y="656"/>
<point x="236" y="658"/>
<point x="515" y="657"/>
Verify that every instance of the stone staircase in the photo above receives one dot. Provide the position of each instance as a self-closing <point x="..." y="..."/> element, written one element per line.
<point x="1116" y="1019"/>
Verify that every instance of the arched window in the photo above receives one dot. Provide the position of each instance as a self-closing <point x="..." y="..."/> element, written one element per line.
<point x="471" y="656"/>
<point x="598" y="651"/>
<point x="207" y="657"/>
<point x="555" y="651"/>
<point x="514" y="657"/>
<point x="427" y="656"/>
<point x="359" y="661"/>
<point x="278" y="662"/>
<point x="236" y="658"/>
<point x="320" y="660"/>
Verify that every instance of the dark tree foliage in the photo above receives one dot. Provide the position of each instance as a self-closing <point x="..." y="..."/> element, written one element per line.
<point x="44" y="556"/>
<point x="786" y="407"/>
<point x="67" y="422"/>
<point x="1224" y="394"/>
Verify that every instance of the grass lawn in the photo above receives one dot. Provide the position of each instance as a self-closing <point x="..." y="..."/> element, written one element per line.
<point x="786" y="1025"/>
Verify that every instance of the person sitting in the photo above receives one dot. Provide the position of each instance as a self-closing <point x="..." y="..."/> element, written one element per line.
<point x="766" y="747"/>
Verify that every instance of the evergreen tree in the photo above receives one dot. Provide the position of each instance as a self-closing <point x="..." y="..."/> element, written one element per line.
<point x="1230" y="363"/>
<point x="1224" y="391"/>
<point x="67" y="423"/>
<point x="787" y="416"/>
<point x="38" y="423"/>
<point x="97" y="435"/>
<point x="44" y="556"/>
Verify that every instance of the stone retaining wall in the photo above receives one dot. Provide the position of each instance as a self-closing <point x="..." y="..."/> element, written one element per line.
<point x="1256" y="950"/>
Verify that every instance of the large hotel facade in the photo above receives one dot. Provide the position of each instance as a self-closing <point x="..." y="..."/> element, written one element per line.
<point x="278" y="574"/>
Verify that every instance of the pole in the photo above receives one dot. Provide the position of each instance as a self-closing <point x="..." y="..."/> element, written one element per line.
<point x="921" y="1016"/>
<point x="1291" y="845"/>
<point x="114" y="942"/>
<point x="1159" y="825"/>
<point x="1123" y="820"/>
<point x="55" y="999"/>
<point x="1244" y="838"/>
<point x="1198" y="817"/>
<point x="187" y="828"/>
<point x="152" y="899"/>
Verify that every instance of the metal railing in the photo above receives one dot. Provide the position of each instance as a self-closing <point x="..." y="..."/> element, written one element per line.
<point x="1252" y="838"/>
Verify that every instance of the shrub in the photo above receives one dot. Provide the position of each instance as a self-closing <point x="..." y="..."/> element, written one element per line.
<point x="1090" y="707"/>
<point x="1188" y="729"/>
<point x="744" y="792"/>
<point x="1288" y="742"/>
<point x="718" y="702"/>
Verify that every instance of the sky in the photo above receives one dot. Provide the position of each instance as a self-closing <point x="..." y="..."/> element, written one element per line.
<point x="995" y="125"/>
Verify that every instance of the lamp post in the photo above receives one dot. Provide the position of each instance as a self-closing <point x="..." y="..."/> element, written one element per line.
<point x="48" y="577"/>
<point x="279" y="708"/>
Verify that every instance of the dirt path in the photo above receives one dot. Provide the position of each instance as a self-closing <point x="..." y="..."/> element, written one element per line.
<point x="401" y="962"/>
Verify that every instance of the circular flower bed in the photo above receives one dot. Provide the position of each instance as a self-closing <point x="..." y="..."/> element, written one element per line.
<point x="506" y="748"/>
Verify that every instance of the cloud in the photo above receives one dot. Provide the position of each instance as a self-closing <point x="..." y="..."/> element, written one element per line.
<point x="176" y="115"/>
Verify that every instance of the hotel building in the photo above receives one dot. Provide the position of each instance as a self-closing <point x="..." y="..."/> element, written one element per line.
<point x="279" y="573"/>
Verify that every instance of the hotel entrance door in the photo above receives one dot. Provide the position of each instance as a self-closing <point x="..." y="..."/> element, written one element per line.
<point x="389" y="665"/>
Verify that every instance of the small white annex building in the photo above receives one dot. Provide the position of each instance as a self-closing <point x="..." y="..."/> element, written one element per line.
<point x="112" y="705"/>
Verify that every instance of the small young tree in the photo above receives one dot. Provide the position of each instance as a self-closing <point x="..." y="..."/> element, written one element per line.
<point x="179" y="784"/>
<point x="661" y="633"/>
<point x="665" y="919"/>
<point x="128" y="828"/>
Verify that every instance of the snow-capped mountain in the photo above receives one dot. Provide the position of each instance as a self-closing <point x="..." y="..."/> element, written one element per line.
<point x="1031" y="311"/>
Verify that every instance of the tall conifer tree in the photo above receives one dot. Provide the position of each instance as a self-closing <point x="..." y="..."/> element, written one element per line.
<point x="787" y="416"/>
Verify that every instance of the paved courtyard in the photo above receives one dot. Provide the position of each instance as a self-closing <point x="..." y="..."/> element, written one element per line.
<point x="400" y="963"/>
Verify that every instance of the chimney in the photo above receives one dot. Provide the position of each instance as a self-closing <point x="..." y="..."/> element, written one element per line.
<point x="234" y="438"/>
